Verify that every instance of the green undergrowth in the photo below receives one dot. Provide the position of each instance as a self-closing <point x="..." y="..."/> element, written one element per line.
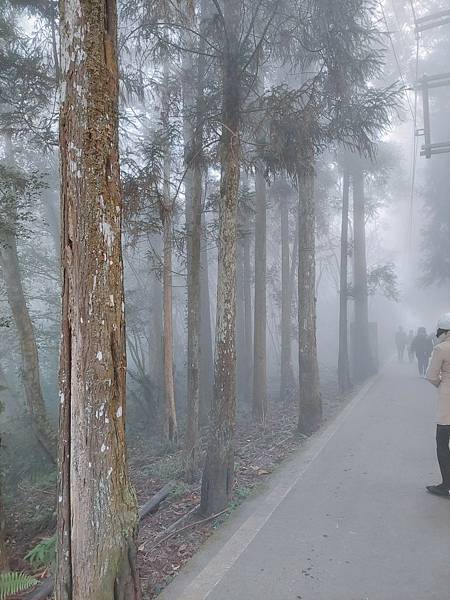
<point x="166" y="468"/>
<point x="43" y="554"/>
<point x="12" y="583"/>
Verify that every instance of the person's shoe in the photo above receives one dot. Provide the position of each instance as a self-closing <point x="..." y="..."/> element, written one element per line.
<point x="439" y="490"/>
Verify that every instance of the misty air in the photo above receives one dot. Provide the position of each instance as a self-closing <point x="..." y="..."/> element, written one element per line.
<point x="224" y="299"/>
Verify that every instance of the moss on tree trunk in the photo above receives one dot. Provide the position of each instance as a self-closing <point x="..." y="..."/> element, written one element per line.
<point x="97" y="509"/>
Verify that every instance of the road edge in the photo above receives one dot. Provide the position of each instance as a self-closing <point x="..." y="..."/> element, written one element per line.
<point x="197" y="583"/>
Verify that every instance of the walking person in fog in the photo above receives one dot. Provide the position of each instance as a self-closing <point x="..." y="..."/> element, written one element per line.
<point x="422" y="346"/>
<point x="409" y="342"/>
<point x="400" y="342"/>
<point x="439" y="375"/>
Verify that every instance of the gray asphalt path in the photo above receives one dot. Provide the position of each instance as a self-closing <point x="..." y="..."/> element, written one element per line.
<point x="346" y="519"/>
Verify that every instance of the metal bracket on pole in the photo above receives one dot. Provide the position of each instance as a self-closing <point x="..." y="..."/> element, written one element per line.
<point x="431" y="21"/>
<point x="435" y="81"/>
<point x="426" y="83"/>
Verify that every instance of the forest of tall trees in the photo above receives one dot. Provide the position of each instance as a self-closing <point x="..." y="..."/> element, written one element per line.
<point x="181" y="185"/>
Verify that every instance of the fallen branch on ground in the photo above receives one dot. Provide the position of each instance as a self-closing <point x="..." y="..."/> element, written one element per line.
<point x="177" y="531"/>
<point x="156" y="500"/>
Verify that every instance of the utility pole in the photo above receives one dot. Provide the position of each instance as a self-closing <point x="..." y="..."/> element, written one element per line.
<point x="427" y="83"/>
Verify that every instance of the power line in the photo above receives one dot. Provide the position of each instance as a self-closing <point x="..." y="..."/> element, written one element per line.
<point x="413" y="114"/>
<point x="398" y="63"/>
<point x="413" y="11"/>
<point x="414" y="159"/>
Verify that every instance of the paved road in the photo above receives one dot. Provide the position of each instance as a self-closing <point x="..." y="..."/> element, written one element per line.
<point x="347" y="519"/>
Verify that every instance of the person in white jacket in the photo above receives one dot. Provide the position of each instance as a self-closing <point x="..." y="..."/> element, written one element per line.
<point x="438" y="374"/>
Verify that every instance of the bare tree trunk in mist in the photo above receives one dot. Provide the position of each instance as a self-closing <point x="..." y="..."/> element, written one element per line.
<point x="310" y="402"/>
<point x="193" y="358"/>
<point x="97" y="510"/>
<point x="194" y="159"/>
<point x="170" y="420"/>
<point x="260" y="305"/>
<point x="218" y="475"/>
<point x="4" y="556"/>
<point x="4" y="559"/>
<point x="166" y="208"/>
<point x="206" y="348"/>
<point x="248" y="325"/>
<point x="241" y="358"/>
<point x="157" y="340"/>
<point x="362" y="352"/>
<point x="287" y="382"/>
<point x="51" y="207"/>
<point x="30" y="372"/>
<point x="244" y="342"/>
<point x="343" y="359"/>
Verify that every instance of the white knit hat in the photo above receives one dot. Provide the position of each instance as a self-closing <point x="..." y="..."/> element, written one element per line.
<point x="444" y="322"/>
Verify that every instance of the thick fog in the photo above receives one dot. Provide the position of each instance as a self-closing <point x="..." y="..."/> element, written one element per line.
<point x="277" y="220"/>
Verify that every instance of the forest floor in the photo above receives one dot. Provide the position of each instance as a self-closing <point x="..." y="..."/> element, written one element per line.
<point x="171" y="535"/>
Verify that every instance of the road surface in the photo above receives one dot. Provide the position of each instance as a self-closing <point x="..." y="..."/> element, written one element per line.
<point x="347" y="518"/>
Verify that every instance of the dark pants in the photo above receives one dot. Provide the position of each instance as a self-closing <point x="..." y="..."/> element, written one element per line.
<point x="443" y="452"/>
<point x="422" y="363"/>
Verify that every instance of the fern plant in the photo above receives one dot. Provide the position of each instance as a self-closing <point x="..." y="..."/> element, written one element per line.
<point x="13" y="583"/>
<point x="43" y="554"/>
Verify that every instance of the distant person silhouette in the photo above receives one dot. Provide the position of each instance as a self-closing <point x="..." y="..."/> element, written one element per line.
<point x="422" y="346"/>
<point x="439" y="375"/>
<point x="409" y="342"/>
<point x="400" y="342"/>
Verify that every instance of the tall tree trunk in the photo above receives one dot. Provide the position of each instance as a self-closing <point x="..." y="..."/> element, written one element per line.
<point x="156" y="350"/>
<point x="260" y="320"/>
<point x="343" y="360"/>
<point x="194" y="159"/>
<point x="4" y="559"/>
<point x="218" y="475"/>
<point x="310" y="400"/>
<point x="362" y="352"/>
<point x="206" y="348"/>
<point x="248" y="325"/>
<point x="97" y="510"/>
<point x="244" y="342"/>
<point x="9" y="263"/>
<point x="170" y="422"/>
<point x="193" y="358"/>
<point x="287" y="382"/>
<point x="241" y="363"/>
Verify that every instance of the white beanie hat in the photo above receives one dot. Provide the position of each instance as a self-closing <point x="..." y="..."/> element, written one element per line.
<point x="444" y="322"/>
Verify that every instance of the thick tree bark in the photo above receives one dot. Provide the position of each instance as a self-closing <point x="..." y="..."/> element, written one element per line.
<point x="310" y="400"/>
<point x="218" y="475"/>
<point x="206" y="347"/>
<point x="260" y="306"/>
<point x="287" y="382"/>
<point x="362" y="352"/>
<point x="343" y="359"/>
<point x="170" y="429"/>
<point x="9" y="263"/>
<point x="97" y="509"/>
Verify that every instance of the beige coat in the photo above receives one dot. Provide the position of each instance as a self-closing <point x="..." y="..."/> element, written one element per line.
<point x="438" y="374"/>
